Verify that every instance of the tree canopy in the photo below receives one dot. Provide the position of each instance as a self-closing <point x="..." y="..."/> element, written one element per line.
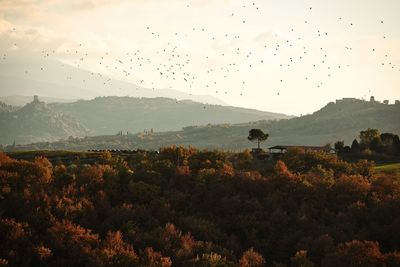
<point x="209" y="208"/>
<point x="257" y="135"/>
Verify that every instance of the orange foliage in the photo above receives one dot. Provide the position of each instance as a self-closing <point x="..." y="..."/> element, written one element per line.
<point x="183" y="170"/>
<point x="250" y="258"/>
<point x="4" y="158"/>
<point x="118" y="253"/>
<point x="72" y="238"/>
<point x="250" y="175"/>
<point x="356" y="254"/>
<point x="152" y="258"/>
<point x="282" y="171"/>
<point x="103" y="215"/>
<point x="43" y="252"/>
<point x="301" y="259"/>
<point x="95" y="174"/>
<point x="227" y="170"/>
<point x="3" y="263"/>
<point x="46" y="169"/>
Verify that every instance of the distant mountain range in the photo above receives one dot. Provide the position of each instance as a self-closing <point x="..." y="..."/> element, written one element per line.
<point x="54" y="79"/>
<point x="340" y="120"/>
<point x="38" y="121"/>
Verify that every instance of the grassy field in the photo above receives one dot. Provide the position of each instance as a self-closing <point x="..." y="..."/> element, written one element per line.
<point x="388" y="167"/>
<point x="391" y="168"/>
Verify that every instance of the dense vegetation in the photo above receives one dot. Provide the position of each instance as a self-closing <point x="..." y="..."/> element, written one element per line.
<point x="185" y="207"/>
<point x="371" y="145"/>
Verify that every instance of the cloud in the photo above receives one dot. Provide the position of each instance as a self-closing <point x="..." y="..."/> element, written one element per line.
<point x="29" y="12"/>
<point x="264" y="37"/>
<point x="36" y="10"/>
<point x="83" y="5"/>
<point x="27" y="39"/>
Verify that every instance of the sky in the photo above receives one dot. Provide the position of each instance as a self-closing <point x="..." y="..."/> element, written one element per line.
<point x="289" y="56"/>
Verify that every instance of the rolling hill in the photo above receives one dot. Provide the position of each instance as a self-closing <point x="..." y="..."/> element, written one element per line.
<point x="342" y="120"/>
<point x="108" y="115"/>
<point x="38" y="121"/>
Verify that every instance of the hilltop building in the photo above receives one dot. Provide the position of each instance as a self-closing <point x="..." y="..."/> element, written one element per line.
<point x="35" y="98"/>
<point x="347" y="100"/>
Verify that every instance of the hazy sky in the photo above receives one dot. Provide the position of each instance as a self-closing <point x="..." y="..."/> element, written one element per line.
<point x="290" y="56"/>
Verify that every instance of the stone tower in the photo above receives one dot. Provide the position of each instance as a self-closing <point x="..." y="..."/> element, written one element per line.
<point x="372" y="99"/>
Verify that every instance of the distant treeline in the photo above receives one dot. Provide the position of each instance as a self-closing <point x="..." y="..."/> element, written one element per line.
<point x="372" y="145"/>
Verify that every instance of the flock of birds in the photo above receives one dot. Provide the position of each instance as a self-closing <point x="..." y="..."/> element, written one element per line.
<point x="175" y="65"/>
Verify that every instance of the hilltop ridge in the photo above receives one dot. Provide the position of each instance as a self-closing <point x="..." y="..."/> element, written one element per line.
<point x="107" y="115"/>
<point x="41" y="122"/>
<point x="37" y="122"/>
<point x="338" y="120"/>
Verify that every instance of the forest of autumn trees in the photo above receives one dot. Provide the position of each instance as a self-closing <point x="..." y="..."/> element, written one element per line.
<point x="185" y="207"/>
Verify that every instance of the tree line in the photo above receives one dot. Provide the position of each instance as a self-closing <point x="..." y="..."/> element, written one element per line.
<point x="371" y="144"/>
